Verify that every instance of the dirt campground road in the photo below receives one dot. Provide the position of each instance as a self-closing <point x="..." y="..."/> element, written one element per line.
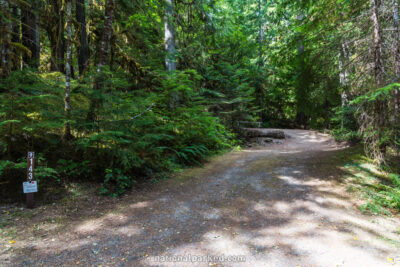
<point x="278" y="205"/>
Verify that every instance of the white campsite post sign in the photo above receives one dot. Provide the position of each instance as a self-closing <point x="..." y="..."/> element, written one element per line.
<point x="30" y="186"/>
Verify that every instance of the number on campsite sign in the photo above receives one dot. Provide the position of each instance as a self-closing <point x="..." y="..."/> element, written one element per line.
<point x="31" y="160"/>
<point x="30" y="186"/>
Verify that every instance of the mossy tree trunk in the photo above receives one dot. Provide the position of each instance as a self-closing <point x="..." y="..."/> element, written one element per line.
<point x="102" y="58"/>
<point x="67" y="102"/>
<point x="5" y="39"/>
<point x="83" y="48"/>
<point x="31" y="34"/>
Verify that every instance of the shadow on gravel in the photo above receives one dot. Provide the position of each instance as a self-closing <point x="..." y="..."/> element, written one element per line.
<point x="272" y="208"/>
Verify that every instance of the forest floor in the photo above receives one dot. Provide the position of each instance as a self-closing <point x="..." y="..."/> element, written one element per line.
<point x="278" y="205"/>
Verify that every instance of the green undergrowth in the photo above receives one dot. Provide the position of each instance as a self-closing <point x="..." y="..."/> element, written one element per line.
<point x="378" y="188"/>
<point x="136" y="135"/>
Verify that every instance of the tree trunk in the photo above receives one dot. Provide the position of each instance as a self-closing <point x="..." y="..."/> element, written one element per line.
<point x="378" y="61"/>
<point x="60" y="41"/>
<point x="170" y="60"/>
<point x="378" y="74"/>
<point x="16" y="38"/>
<point x="396" y="60"/>
<point x="260" y="34"/>
<point x="30" y="35"/>
<point x="83" y="48"/>
<point x="344" y="57"/>
<point x="53" y="47"/>
<point x="106" y="37"/>
<point x="260" y="60"/>
<point x="102" y="58"/>
<point x="67" y="133"/>
<point x="344" y="102"/>
<point x="301" y="85"/>
<point x="112" y="51"/>
<point x="5" y="39"/>
<point x="56" y="36"/>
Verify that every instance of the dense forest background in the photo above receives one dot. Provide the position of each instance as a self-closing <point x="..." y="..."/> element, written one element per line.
<point x="121" y="91"/>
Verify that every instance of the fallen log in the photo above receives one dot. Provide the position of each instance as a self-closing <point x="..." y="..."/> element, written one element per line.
<point x="276" y="134"/>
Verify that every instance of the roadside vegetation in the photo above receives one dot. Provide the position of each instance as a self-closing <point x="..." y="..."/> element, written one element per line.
<point x="119" y="93"/>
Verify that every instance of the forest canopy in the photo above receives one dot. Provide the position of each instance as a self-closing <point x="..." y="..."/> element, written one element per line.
<point x="122" y="91"/>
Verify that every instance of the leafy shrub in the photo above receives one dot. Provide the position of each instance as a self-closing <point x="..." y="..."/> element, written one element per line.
<point x="345" y="124"/>
<point x="136" y="134"/>
<point x="115" y="182"/>
<point x="342" y="135"/>
<point x="378" y="128"/>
